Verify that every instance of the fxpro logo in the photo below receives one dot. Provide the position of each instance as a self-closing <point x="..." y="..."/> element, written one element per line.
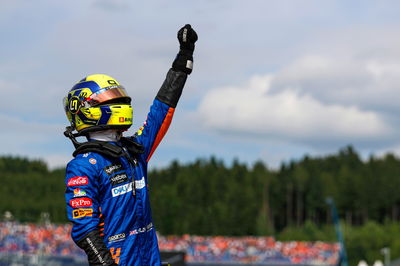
<point x="116" y="191"/>
<point x="81" y="202"/>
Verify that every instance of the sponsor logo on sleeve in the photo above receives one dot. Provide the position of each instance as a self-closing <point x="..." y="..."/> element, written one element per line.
<point x="92" y="161"/>
<point x="78" y="192"/>
<point x="116" y="238"/>
<point x="79" y="213"/>
<point x="80" y="202"/>
<point x="116" y="191"/>
<point x="113" y="168"/>
<point x="119" y="179"/>
<point x="78" y="181"/>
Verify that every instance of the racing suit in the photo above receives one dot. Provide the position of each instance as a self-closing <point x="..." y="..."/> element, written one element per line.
<point x="108" y="199"/>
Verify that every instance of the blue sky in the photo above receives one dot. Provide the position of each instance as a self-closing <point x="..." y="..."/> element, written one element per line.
<point x="272" y="80"/>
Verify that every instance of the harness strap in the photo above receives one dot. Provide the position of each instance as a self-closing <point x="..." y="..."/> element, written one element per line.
<point x="101" y="147"/>
<point x="108" y="149"/>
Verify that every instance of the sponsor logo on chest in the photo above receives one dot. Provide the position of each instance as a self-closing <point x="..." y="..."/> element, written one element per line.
<point x="113" y="168"/>
<point x="139" y="184"/>
<point x="118" y="179"/>
<point x="120" y="190"/>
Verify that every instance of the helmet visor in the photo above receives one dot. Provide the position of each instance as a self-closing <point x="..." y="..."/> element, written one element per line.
<point x="107" y="94"/>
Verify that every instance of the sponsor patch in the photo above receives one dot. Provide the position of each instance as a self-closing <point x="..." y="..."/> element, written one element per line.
<point x="116" y="238"/>
<point x="140" y="230"/>
<point x="78" y="181"/>
<point x="119" y="179"/>
<point x="113" y="168"/>
<point x="81" y="202"/>
<point x="78" y="192"/>
<point x="116" y="191"/>
<point x="79" y="213"/>
<point x="92" y="161"/>
<point x="139" y="184"/>
<point x="125" y="119"/>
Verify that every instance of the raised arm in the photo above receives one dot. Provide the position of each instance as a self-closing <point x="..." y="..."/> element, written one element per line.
<point x="162" y="110"/>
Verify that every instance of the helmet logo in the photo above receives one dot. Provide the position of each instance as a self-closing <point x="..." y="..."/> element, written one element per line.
<point x="112" y="82"/>
<point x="125" y="119"/>
<point x="74" y="104"/>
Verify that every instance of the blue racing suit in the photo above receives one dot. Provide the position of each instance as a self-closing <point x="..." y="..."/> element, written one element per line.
<point x="108" y="198"/>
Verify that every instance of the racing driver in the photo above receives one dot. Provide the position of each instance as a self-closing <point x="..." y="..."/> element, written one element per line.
<point x="106" y="183"/>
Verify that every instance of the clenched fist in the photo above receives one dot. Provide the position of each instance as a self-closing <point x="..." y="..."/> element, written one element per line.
<point x="187" y="37"/>
<point x="184" y="59"/>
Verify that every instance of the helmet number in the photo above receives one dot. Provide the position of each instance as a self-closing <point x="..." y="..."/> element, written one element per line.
<point x="74" y="105"/>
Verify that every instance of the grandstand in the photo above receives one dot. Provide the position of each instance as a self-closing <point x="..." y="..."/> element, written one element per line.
<point x="50" y="244"/>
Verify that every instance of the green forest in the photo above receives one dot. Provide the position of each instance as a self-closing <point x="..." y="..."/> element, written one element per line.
<point x="211" y="197"/>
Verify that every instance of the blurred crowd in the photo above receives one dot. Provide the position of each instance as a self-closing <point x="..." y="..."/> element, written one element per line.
<point x="52" y="239"/>
<point x="251" y="249"/>
<point x="48" y="239"/>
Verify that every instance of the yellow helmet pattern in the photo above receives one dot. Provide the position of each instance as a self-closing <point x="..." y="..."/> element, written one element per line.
<point x="98" y="102"/>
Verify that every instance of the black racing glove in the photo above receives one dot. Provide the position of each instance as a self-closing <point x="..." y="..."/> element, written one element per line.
<point x="96" y="250"/>
<point x="184" y="59"/>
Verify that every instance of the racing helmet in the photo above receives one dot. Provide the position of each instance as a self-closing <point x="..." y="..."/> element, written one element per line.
<point x="98" y="102"/>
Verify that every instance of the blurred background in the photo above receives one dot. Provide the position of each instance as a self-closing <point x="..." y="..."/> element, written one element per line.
<point x="290" y="103"/>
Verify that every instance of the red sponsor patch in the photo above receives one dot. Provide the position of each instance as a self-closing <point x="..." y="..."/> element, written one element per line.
<point x="81" y="202"/>
<point x="78" y="181"/>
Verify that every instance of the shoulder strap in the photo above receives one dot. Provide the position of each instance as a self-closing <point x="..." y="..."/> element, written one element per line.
<point x="132" y="146"/>
<point x="107" y="149"/>
<point x="101" y="147"/>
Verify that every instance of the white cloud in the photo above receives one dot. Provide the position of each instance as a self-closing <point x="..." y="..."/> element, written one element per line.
<point x="348" y="67"/>
<point x="288" y="114"/>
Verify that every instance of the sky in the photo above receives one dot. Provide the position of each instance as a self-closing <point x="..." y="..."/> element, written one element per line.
<point x="272" y="80"/>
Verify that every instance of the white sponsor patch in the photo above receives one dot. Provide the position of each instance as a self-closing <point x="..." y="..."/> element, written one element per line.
<point x="184" y="35"/>
<point x="189" y="64"/>
<point x="116" y="238"/>
<point x="139" y="184"/>
<point x="116" y="191"/>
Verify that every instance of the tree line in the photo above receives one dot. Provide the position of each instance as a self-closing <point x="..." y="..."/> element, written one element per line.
<point x="207" y="197"/>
